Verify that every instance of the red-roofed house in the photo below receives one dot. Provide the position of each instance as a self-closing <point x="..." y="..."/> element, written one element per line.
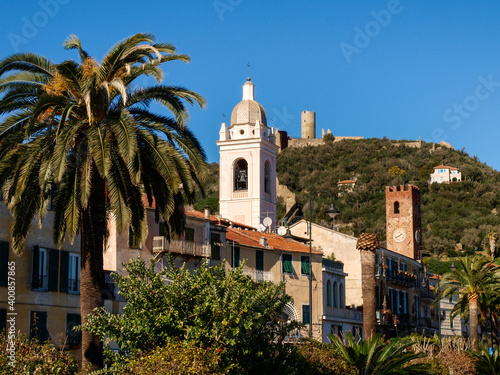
<point x="445" y="174"/>
<point x="270" y="257"/>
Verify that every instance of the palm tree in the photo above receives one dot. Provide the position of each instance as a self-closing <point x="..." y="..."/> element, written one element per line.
<point x="374" y="357"/>
<point x="474" y="276"/>
<point x="83" y="132"/>
<point x="367" y="244"/>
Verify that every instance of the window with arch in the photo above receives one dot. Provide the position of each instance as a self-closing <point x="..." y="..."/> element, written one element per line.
<point x="341" y="296"/>
<point x="267" y="177"/>
<point x="241" y="175"/>
<point x="396" y="207"/>
<point x="335" y="295"/>
<point x="328" y="293"/>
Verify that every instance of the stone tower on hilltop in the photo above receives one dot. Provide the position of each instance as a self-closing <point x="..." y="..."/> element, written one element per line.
<point x="308" y="121"/>
<point x="403" y="220"/>
<point x="247" y="150"/>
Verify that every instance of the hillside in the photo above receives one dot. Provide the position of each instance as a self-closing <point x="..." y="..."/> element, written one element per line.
<point x="458" y="213"/>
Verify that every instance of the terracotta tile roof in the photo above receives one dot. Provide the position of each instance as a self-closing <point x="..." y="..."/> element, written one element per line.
<point x="274" y="241"/>
<point x="346" y="182"/>
<point x="445" y="167"/>
<point x="215" y="220"/>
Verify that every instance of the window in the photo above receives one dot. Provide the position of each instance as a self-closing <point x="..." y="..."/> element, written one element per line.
<point x="45" y="269"/>
<point x="287" y="263"/>
<point x="306" y="314"/>
<point x="38" y="326"/>
<point x="267" y="177"/>
<point x="4" y="263"/>
<point x="451" y="324"/>
<point x="396" y="207"/>
<point x="74" y="273"/>
<point x="341" y="296"/>
<point x="328" y="293"/>
<point x="335" y="295"/>
<point x="236" y="257"/>
<point x="73" y="337"/>
<point x="305" y="265"/>
<point x="189" y="234"/>
<point x="216" y="245"/>
<point x="259" y="260"/>
<point x="133" y="240"/>
<point x="241" y="175"/>
<point x="3" y="320"/>
<point x="109" y="286"/>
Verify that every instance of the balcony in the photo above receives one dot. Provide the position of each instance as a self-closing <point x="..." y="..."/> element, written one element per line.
<point x="257" y="275"/>
<point x="344" y="313"/>
<point x="333" y="265"/>
<point x="197" y="249"/>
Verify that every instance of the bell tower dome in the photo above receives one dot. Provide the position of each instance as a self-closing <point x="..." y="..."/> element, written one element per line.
<point x="247" y="181"/>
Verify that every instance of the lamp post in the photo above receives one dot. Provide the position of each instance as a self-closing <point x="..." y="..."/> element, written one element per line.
<point x="332" y="212"/>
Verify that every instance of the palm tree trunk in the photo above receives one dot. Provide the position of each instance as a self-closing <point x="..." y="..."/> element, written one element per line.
<point x="92" y="275"/>
<point x="473" y="321"/>
<point x="368" y="290"/>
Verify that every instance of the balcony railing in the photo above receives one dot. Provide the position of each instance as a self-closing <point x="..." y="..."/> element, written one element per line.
<point x="183" y="247"/>
<point x="257" y="275"/>
<point x="337" y="266"/>
<point x="346" y="314"/>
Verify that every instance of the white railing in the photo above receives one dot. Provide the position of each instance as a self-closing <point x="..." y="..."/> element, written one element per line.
<point x="161" y="243"/>
<point x="240" y="194"/>
<point x="258" y="276"/>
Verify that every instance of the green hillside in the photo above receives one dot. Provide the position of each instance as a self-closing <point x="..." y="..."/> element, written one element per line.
<point x="458" y="213"/>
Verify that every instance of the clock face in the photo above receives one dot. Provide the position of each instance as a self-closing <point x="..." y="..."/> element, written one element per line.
<point x="399" y="235"/>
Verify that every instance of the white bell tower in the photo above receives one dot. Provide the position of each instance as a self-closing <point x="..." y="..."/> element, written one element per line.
<point x="247" y="182"/>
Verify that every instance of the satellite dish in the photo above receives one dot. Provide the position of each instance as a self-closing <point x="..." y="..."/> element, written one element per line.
<point x="261" y="228"/>
<point x="267" y="221"/>
<point x="282" y="230"/>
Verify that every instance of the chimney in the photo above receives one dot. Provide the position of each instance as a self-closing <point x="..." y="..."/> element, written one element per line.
<point x="207" y="213"/>
<point x="263" y="241"/>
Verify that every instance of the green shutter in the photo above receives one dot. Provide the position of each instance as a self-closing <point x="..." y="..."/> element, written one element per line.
<point x="304" y="265"/>
<point x="306" y="314"/>
<point x="38" y="327"/>
<point x="3" y="320"/>
<point x="259" y="260"/>
<point x="36" y="282"/>
<point x="4" y="263"/>
<point x="74" y="337"/>
<point x="287" y="263"/>
<point x="63" y="281"/>
<point x="236" y="257"/>
<point x="53" y="270"/>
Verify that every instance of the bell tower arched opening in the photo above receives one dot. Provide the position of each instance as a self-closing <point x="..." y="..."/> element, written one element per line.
<point x="241" y="175"/>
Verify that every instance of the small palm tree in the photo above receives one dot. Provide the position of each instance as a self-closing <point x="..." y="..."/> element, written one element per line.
<point x="374" y="357"/>
<point x="487" y="364"/>
<point x="84" y="133"/>
<point x="474" y="276"/>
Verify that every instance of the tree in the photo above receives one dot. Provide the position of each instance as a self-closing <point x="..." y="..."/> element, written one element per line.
<point x="210" y="309"/>
<point x="367" y="244"/>
<point x="473" y="277"/>
<point x="373" y="356"/>
<point x="83" y="133"/>
<point x="493" y="238"/>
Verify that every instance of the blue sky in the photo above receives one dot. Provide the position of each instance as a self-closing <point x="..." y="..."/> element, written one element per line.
<point x="402" y="69"/>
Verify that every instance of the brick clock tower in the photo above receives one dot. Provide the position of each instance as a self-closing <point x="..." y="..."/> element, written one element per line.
<point x="403" y="224"/>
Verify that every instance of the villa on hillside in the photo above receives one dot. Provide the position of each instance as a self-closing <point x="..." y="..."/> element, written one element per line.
<point x="346" y="186"/>
<point x="445" y="174"/>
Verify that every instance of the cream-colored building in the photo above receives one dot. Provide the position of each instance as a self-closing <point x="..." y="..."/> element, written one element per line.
<point x="444" y="175"/>
<point x="270" y="257"/>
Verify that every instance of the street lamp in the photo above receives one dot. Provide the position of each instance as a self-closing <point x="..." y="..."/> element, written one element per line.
<point x="332" y="212"/>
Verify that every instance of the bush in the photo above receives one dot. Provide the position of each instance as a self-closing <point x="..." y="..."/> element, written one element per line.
<point x="33" y="357"/>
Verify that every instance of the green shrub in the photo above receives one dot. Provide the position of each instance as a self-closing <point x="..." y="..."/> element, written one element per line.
<point x="36" y="358"/>
<point x="487" y="364"/>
